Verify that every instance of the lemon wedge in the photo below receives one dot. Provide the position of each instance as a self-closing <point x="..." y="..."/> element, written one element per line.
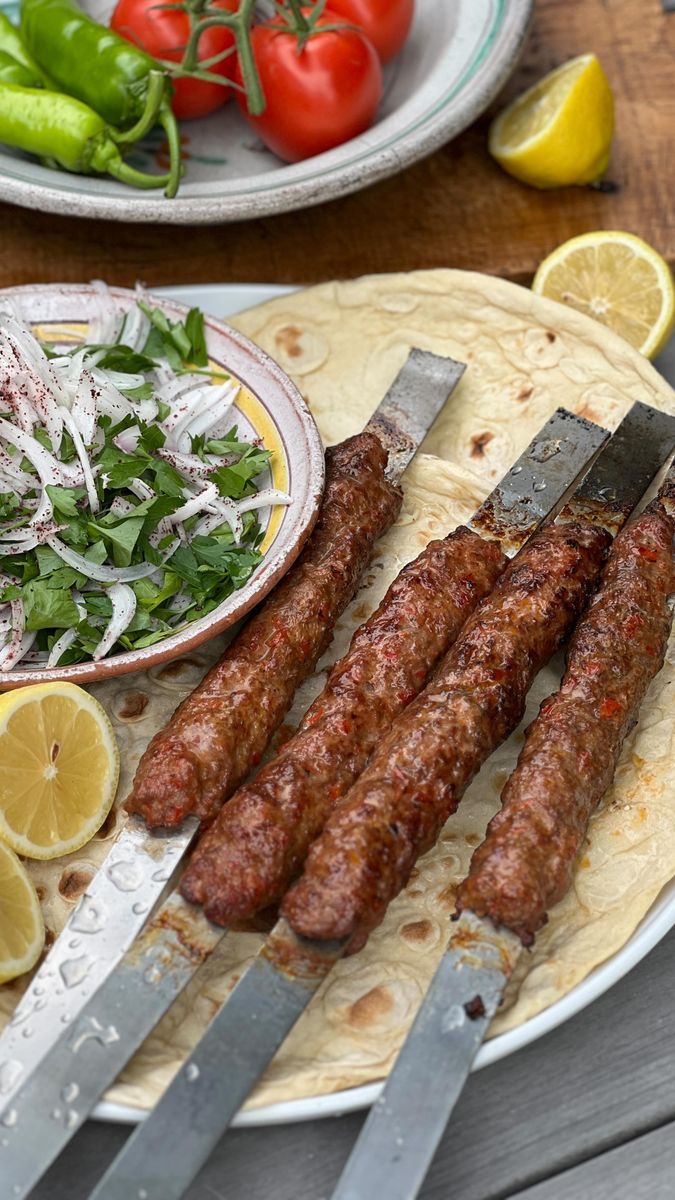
<point x="59" y="766"/>
<point x="560" y="131"/>
<point x="618" y="279"/>
<point x="22" y="930"/>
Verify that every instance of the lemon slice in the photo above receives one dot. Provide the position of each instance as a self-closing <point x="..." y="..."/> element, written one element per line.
<point x="59" y="766"/>
<point x="618" y="279"/>
<point x="22" y="930"/>
<point x="560" y="131"/>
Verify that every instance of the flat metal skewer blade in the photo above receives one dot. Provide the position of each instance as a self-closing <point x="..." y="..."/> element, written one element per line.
<point x="404" y="1127"/>
<point x="534" y="486"/>
<point x="57" y="1098"/>
<point x="107" y="919"/>
<point x="130" y="882"/>
<point x="212" y="1085"/>
<point x="625" y="469"/>
<point x="416" y="397"/>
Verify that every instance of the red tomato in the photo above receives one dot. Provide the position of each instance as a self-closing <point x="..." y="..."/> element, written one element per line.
<point x="153" y="26"/>
<point x="317" y="96"/>
<point x="386" y="22"/>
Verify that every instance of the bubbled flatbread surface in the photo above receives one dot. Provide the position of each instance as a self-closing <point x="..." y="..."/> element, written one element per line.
<point x="343" y="344"/>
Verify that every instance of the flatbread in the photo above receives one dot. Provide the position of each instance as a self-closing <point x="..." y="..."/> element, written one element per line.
<point x="344" y="343"/>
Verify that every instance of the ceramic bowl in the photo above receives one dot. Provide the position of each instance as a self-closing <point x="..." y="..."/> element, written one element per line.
<point x="458" y="56"/>
<point x="268" y="406"/>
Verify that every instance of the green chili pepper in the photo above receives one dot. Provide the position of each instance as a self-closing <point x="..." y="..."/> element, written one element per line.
<point x="13" y="44"/>
<point x="12" y="71"/>
<point x="63" y="130"/>
<point x="102" y="69"/>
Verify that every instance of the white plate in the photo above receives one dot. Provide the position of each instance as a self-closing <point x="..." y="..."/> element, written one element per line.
<point x="458" y="56"/>
<point x="223" y="300"/>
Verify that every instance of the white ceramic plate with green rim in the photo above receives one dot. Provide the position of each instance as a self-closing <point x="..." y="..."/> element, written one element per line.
<point x="458" y="56"/>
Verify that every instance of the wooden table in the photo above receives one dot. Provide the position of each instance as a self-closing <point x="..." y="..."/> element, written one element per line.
<point x="588" y="1113"/>
<point x="456" y="209"/>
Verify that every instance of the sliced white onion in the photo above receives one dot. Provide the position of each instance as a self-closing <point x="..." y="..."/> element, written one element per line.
<point x="123" y="600"/>
<point x="172" y="387"/>
<point x="9" y="549"/>
<point x="121" y="507"/>
<point x="19" y="642"/>
<point x="103" y="573"/>
<point x="216" y="521"/>
<point x="9" y="660"/>
<point x="81" y="452"/>
<point x="21" y="480"/>
<point x="33" y="358"/>
<point x="83" y="409"/>
<point x="228" y="511"/>
<point x="141" y="489"/>
<point x="263" y="499"/>
<point x="110" y="400"/>
<point x="208" y="406"/>
<point x="195" y="504"/>
<point x="36" y="536"/>
<point x="127" y="441"/>
<point x="136" y="325"/>
<point x="188" y="464"/>
<point x="192" y="465"/>
<point x="105" y="322"/>
<point x="22" y="411"/>
<point x="60" y="646"/>
<point x="48" y="468"/>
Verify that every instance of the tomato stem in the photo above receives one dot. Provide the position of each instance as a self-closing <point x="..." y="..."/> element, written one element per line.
<point x="203" y="18"/>
<point x="301" y="24"/>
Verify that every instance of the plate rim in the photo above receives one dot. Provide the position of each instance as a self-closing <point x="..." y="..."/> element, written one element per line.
<point x="491" y="66"/>
<point x="653" y="927"/>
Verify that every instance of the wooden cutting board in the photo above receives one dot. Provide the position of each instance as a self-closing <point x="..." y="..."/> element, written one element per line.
<point x="456" y="208"/>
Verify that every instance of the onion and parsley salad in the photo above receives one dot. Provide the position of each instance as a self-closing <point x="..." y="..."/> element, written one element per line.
<point x="127" y="501"/>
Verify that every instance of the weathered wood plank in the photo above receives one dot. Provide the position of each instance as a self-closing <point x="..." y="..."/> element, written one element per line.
<point x="643" y="1169"/>
<point x="604" y="1077"/>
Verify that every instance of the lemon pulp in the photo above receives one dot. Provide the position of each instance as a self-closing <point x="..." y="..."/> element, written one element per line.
<point x="619" y="280"/>
<point x="59" y="767"/>
<point x="560" y="131"/>
<point x="22" y="931"/>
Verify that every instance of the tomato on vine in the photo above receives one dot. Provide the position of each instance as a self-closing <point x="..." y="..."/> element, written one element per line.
<point x="322" y="82"/>
<point x="162" y="27"/>
<point x="386" y="22"/>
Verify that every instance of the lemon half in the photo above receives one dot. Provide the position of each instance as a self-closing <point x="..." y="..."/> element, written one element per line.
<point x="618" y="279"/>
<point x="560" y="131"/>
<point x="22" y="930"/>
<point x="59" y="766"/>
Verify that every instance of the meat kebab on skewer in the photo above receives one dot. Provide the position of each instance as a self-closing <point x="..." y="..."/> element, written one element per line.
<point x="220" y="731"/>
<point x="533" y="607"/>
<point x="526" y="863"/>
<point x="387" y="663"/>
